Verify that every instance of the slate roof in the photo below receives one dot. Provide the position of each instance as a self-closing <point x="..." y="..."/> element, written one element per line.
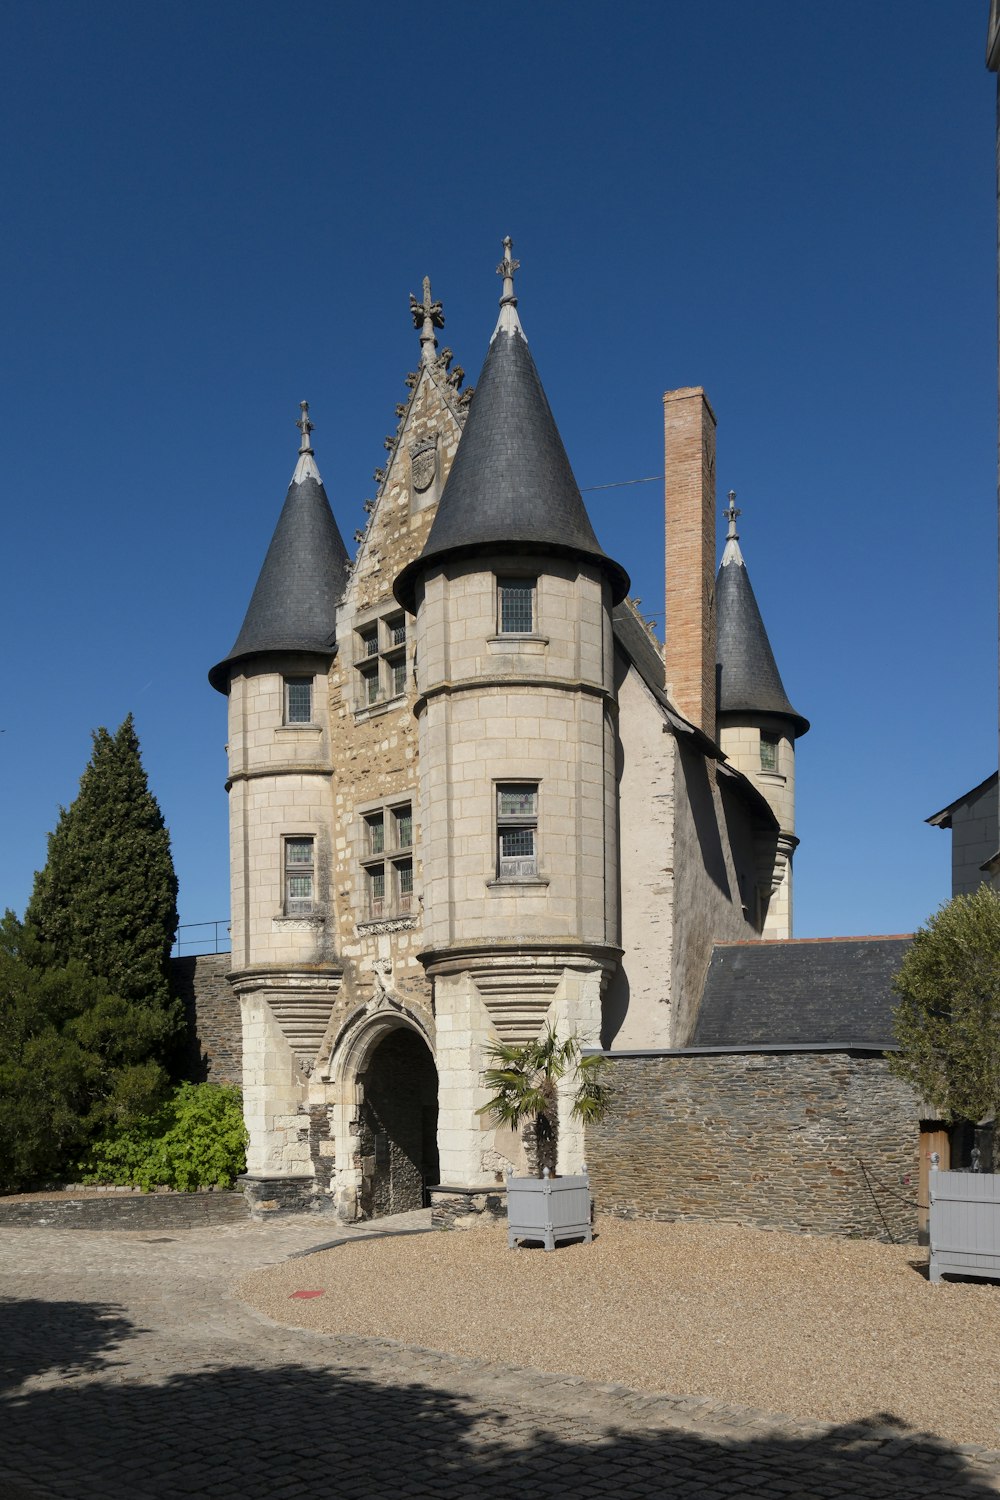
<point x="834" y="990"/>
<point x="294" y="605"/>
<point x="747" y="673"/>
<point x="511" y="488"/>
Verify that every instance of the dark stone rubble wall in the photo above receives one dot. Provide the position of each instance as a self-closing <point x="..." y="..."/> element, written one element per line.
<point x="215" y="1036"/>
<point x="818" y="1142"/>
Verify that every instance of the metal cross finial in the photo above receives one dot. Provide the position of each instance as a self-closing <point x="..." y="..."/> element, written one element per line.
<point x="731" y="513"/>
<point x="305" y="427"/>
<point x="427" y="315"/>
<point x="506" y="269"/>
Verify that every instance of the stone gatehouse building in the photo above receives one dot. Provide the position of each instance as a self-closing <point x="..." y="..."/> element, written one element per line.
<point x="471" y="795"/>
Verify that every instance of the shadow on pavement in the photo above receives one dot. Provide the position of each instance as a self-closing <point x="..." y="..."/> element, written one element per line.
<point x="292" y="1431"/>
<point x="75" y="1338"/>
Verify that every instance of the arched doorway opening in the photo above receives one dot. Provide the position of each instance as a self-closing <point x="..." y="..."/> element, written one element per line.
<point x="398" y="1125"/>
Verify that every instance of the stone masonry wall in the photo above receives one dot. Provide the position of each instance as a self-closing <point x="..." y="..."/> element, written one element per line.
<point x="215" y="1039"/>
<point x="817" y="1142"/>
<point x="374" y="747"/>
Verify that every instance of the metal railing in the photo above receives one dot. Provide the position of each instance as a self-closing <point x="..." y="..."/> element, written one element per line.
<point x="214" y="938"/>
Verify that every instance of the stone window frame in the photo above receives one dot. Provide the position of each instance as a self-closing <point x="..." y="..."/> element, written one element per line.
<point x="381" y="658"/>
<point x="387" y="860"/>
<point x="287" y="719"/>
<point x="771" y="760"/>
<point x="520" y="868"/>
<point x="521" y="582"/>
<point x="298" y="869"/>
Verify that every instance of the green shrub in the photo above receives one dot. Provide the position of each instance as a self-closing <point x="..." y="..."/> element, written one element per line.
<point x="947" y="1021"/>
<point x="196" y="1140"/>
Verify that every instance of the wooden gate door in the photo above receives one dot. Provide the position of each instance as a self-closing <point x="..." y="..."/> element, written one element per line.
<point x="933" y="1137"/>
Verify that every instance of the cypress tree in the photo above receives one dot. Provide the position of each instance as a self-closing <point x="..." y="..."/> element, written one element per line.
<point x="107" y="897"/>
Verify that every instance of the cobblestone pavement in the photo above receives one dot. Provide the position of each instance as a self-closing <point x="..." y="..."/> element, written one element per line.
<point x="128" y="1371"/>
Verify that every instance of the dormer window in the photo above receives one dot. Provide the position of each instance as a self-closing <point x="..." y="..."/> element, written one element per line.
<point x="515" y="606"/>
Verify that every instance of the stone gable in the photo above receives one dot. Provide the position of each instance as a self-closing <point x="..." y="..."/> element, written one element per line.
<point x="374" y="744"/>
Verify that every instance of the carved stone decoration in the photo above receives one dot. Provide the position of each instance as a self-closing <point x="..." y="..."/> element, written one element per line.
<point x="381" y="927"/>
<point x="302" y="1004"/>
<point x="384" y="992"/>
<point x="424" y="462"/>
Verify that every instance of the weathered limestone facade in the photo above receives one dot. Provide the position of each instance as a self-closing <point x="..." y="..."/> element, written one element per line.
<point x="464" y="805"/>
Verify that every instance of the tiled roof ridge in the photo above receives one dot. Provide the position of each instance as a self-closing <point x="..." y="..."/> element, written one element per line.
<point x="861" y="937"/>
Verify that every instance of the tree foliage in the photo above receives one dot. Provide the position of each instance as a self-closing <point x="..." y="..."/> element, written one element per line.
<point x="947" y="1021"/>
<point x="525" y="1080"/>
<point x="108" y="893"/>
<point x="87" y="1018"/>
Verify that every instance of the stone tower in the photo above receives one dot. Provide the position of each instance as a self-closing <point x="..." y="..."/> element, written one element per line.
<point x="757" y="726"/>
<point x="285" y="966"/>
<point x="516" y="712"/>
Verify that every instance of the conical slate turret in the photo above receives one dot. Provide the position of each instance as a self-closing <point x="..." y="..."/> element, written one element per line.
<point x="294" y="605"/>
<point x="748" y="676"/>
<point x="511" y="488"/>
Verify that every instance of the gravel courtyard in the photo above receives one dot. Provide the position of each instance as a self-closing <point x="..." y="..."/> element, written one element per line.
<point x="834" y="1330"/>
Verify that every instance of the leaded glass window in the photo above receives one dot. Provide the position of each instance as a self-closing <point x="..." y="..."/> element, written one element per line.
<point x="299" y="874"/>
<point x="515" y="606"/>
<point x="298" y="700"/>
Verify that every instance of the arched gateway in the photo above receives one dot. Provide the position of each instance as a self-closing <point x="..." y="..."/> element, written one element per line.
<point x="397" y="1125"/>
<point x="387" y="1083"/>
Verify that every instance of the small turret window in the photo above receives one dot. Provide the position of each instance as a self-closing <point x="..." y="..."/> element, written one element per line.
<point x="299" y="876"/>
<point x="298" y="700"/>
<point x="515" y="606"/>
<point x="768" y="751"/>
<point x="517" y="831"/>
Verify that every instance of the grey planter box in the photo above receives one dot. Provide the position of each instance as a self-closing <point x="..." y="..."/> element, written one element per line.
<point x="548" y="1209"/>
<point x="964" y="1223"/>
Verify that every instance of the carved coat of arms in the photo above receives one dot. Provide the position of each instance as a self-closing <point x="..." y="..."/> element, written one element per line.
<point x="423" y="462"/>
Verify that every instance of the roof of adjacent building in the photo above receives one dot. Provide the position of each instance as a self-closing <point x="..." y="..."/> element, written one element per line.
<point x="294" y="605"/>
<point x="818" y="991"/>
<point x="943" y="818"/>
<point x="748" y="676"/>
<point x="511" y="488"/>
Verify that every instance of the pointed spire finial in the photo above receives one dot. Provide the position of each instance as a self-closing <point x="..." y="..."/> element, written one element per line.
<point x="506" y="269"/>
<point x="305" y="427"/>
<point x="731" y="551"/>
<point x="731" y="513"/>
<point x="427" y="315"/>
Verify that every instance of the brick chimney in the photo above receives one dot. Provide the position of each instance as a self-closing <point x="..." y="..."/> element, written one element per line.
<point x="689" y="489"/>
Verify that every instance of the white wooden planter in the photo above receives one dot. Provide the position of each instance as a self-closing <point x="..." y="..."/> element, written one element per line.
<point x="964" y="1223"/>
<point x="548" y="1209"/>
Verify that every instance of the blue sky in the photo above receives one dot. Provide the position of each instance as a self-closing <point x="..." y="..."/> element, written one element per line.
<point x="215" y="211"/>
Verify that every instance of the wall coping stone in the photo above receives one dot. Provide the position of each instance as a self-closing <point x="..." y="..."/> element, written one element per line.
<point x="469" y="1192"/>
<point x="876" y="1047"/>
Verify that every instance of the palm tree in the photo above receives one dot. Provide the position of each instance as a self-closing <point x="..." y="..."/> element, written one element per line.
<point x="525" y="1081"/>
